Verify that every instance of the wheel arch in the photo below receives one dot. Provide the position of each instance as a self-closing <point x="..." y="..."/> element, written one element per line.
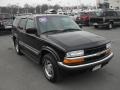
<point x="47" y="49"/>
<point x="111" y="21"/>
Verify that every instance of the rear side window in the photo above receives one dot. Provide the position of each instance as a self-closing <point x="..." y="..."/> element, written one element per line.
<point x="22" y="23"/>
<point x="16" y="22"/>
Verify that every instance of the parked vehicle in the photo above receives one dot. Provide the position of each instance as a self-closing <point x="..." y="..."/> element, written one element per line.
<point x="5" y="21"/>
<point x="57" y="42"/>
<point x="84" y="17"/>
<point x="107" y="18"/>
<point x="50" y="11"/>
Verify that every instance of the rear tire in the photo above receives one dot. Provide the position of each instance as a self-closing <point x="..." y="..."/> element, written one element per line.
<point x="110" y="26"/>
<point x="17" y="47"/>
<point x="50" y="68"/>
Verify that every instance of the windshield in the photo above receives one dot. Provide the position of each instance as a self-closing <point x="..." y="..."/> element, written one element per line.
<point x="99" y="13"/>
<point x="53" y="23"/>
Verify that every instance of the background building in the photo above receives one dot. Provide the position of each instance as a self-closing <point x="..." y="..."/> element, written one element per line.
<point x="113" y="4"/>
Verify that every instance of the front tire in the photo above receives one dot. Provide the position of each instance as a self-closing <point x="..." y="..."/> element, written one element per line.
<point x="50" y="68"/>
<point x="96" y="26"/>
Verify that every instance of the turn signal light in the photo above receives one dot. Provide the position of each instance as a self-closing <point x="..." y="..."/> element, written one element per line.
<point x="73" y="61"/>
<point x="108" y="52"/>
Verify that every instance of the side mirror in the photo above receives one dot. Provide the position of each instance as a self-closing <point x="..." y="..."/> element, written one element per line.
<point x="80" y="25"/>
<point x="31" y="31"/>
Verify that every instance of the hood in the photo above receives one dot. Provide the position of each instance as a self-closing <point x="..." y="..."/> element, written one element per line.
<point x="77" y="40"/>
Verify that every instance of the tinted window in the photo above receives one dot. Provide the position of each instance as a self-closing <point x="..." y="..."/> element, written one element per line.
<point x="22" y="23"/>
<point x="30" y="24"/>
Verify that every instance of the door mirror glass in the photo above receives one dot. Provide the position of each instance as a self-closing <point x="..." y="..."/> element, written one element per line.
<point x="80" y="25"/>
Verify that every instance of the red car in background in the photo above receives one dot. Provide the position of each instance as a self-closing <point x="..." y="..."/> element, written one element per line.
<point x="84" y="18"/>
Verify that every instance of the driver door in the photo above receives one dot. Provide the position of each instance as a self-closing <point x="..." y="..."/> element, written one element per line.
<point x="31" y="42"/>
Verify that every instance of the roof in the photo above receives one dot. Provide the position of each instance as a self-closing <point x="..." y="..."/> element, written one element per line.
<point x="38" y="15"/>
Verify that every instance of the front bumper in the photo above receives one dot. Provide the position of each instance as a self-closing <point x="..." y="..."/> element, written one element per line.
<point x="88" y="65"/>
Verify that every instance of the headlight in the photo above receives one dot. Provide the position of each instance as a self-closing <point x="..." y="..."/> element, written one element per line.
<point x="75" y="53"/>
<point x="108" y="46"/>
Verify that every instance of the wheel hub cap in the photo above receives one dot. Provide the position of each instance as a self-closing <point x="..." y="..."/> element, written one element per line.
<point x="49" y="69"/>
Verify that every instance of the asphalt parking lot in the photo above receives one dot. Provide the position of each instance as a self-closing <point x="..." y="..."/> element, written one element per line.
<point x="20" y="73"/>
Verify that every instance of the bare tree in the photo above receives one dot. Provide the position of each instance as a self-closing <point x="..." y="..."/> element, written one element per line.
<point x="38" y="9"/>
<point x="44" y="7"/>
<point x="56" y="7"/>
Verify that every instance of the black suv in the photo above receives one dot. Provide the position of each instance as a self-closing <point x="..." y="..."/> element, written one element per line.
<point x="107" y="18"/>
<point x="57" y="42"/>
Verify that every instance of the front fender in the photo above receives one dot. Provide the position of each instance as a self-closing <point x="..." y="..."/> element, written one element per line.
<point x="50" y="50"/>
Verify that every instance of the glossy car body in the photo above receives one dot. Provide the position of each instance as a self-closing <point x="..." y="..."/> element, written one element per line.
<point x="59" y="43"/>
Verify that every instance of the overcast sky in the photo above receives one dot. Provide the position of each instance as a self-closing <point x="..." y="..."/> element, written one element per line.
<point x="35" y="2"/>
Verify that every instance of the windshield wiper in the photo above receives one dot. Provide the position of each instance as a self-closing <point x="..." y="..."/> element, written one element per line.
<point x="65" y="30"/>
<point x="52" y="31"/>
<point x="71" y="29"/>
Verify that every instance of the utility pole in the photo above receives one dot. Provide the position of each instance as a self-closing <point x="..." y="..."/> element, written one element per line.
<point x="18" y="9"/>
<point x="79" y="1"/>
<point x="97" y="3"/>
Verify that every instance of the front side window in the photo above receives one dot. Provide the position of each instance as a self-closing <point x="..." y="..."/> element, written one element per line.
<point x="22" y="23"/>
<point x="56" y="23"/>
<point x="30" y="24"/>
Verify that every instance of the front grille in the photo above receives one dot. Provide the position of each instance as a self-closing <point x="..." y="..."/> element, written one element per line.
<point x="94" y="59"/>
<point x="95" y="50"/>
